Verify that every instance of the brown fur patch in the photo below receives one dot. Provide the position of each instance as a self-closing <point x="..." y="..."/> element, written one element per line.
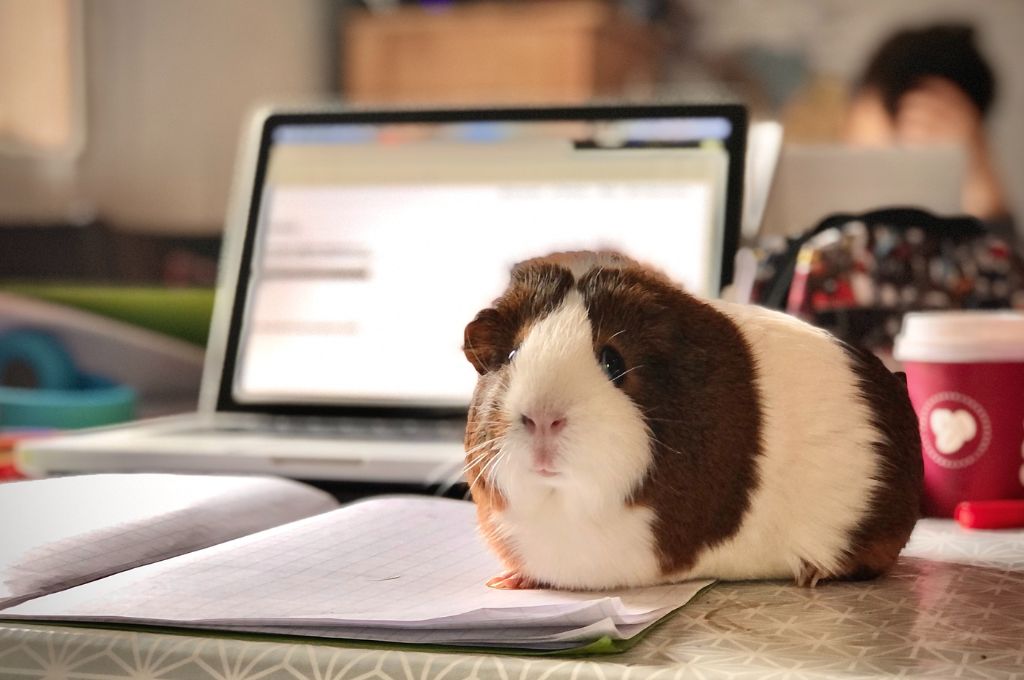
<point x="692" y="376"/>
<point x="895" y="507"/>
<point x="536" y="290"/>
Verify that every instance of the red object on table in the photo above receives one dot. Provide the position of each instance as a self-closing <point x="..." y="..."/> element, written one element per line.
<point x="8" y="438"/>
<point x="970" y="417"/>
<point x="1008" y="514"/>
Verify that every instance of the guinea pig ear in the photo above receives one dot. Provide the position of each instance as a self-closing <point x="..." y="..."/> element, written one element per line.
<point x="482" y="339"/>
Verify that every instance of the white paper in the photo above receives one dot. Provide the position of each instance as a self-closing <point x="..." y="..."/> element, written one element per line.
<point x="411" y="569"/>
<point x="68" y="530"/>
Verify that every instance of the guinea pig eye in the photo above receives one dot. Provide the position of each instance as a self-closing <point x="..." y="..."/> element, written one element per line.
<point x="512" y="355"/>
<point x="612" y="364"/>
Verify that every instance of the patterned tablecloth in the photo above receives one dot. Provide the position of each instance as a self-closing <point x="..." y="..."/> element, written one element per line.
<point x="953" y="608"/>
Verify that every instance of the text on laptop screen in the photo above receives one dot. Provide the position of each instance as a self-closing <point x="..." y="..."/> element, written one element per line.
<point x="377" y="244"/>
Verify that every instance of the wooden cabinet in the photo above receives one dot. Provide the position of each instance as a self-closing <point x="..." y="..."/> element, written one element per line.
<point x="494" y="52"/>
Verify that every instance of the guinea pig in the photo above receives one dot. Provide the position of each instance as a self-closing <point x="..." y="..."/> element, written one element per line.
<point x="623" y="432"/>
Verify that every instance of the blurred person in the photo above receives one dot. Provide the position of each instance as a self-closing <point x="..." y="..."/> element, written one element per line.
<point x="933" y="86"/>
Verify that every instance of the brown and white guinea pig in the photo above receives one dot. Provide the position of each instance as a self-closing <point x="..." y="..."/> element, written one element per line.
<point x="623" y="432"/>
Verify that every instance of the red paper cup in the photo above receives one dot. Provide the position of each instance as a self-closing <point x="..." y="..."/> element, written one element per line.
<point x="965" y="373"/>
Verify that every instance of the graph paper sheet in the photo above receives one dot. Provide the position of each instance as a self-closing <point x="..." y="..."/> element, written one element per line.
<point x="68" y="530"/>
<point x="398" y="569"/>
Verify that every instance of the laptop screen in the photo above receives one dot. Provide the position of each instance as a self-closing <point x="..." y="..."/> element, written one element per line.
<point x="374" y="243"/>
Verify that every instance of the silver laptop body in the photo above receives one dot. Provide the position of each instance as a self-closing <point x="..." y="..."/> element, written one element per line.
<point x="814" y="181"/>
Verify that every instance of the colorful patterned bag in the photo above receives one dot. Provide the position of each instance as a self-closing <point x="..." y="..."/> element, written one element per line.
<point x="856" y="275"/>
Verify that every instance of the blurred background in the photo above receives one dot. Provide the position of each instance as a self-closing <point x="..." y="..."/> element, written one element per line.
<point x="120" y="119"/>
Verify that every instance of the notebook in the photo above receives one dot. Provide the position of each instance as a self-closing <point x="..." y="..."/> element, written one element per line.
<point x="266" y="555"/>
<point x="360" y="243"/>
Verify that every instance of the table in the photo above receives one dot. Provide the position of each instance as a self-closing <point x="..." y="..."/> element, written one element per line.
<point x="953" y="607"/>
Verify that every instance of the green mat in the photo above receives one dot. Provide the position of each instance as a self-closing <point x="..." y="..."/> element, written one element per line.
<point x="182" y="313"/>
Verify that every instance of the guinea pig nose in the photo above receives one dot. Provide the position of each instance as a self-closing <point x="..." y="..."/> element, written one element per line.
<point x="543" y="423"/>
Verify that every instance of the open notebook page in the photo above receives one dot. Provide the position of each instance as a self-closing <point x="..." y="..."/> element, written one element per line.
<point x="392" y="563"/>
<point x="68" y="530"/>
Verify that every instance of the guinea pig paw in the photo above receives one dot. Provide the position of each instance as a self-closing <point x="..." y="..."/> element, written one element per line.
<point x="809" y="575"/>
<point x="511" y="580"/>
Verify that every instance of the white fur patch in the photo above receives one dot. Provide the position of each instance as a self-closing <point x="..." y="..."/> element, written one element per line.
<point x="819" y="468"/>
<point x="575" y="529"/>
<point x="561" y="546"/>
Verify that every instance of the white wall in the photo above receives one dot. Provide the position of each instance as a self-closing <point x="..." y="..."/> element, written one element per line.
<point x="167" y="87"/>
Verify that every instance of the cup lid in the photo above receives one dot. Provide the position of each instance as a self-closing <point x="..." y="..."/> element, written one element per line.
<point x="961" y="337"/>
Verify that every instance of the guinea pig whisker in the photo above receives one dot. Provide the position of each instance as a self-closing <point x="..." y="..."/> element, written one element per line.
<point x="483" y="449"/>
<point x="450" y="473"/>
<point x="630" y="370"/>
<point x="502" y="460"/>
<point x="476" y="479"/>
<point x="653" y="409"/>
<point x="486" y="466"/>
<point x="471" y="483"/>
<point x="469" y="346"/>
<point x="616" y="334"/>
<point x="470" y="464"/>
<point x="483" y="445"/>
<point x="469" y="468"/>
<point x="667" y="447"/>
<point x="447" y="483"/>
<point x="473" y="460"/>
<point x="489" y="464"/>
<point x="502" y="457"/>
<point x="492" y="464"/>
<point x="495" y="436"/>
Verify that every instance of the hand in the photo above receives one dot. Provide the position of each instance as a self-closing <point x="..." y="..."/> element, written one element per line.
<point x="936" y="111"/>
<point x="939" y="112"/>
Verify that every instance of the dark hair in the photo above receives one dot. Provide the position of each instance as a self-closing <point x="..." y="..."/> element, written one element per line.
<point x="944" y="50"/>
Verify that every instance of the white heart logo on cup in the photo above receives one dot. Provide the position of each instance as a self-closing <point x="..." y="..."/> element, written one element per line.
<point x="956" y="430"/>
<point x="952" y="429"/>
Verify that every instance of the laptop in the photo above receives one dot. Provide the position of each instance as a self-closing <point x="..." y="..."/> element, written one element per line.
<point x="360" y="243"/>
<point x="813" y="181"/>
